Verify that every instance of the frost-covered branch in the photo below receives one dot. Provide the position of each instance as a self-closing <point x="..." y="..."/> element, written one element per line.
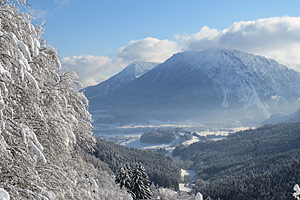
<point x="44" y="124"/>
<point x="296" y="194"/>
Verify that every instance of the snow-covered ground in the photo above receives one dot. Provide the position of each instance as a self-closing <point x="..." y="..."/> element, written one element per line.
<point x="189" y="173"/>
<point x="133" y="140"/>
<point x="191" y="141"/>
<point x="159" y="125"/>
<point x="186" y="187"/>
<point x="138" y="144"/>
<point x="221" y="132"/>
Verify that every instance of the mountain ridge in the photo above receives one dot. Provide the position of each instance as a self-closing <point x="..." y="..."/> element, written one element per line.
<point x="202" y="82"/>
<point x="128" y="74"/>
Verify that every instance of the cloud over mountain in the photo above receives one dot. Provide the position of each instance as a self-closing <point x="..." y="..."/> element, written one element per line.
<point x="92" y="69"/>
<point x="95" y="69"/>
<point x="148" y="49"/>
<point x="277" y="37"/>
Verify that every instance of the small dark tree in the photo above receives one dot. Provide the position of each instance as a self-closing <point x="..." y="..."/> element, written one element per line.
<point x="140" y="184"/>
<point x="120" y="178"/>
<point x="128" y="176"/>
<point x="123" y="177"/>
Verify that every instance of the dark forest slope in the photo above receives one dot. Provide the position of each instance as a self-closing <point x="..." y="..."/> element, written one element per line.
<point x="253" y="164"/>
<point x="162" y="170"/>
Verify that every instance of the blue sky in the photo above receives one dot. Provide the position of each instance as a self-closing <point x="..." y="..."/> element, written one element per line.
<point x="102" y="27"/>
<point x="99" y="27"/>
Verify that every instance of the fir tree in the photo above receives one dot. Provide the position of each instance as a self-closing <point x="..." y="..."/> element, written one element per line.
<point x="120" y="177"/>
<point x="140" y="184"/>
<point x="123" y="177"/>
<point x="128" y="176"/>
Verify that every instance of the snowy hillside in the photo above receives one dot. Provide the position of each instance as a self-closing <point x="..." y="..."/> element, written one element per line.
<point x="130" y="73"/>
<point x="45" y="135"/>
<point x="206" y="84"/>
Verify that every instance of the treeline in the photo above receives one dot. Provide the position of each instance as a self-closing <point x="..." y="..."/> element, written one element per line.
<point x="162" y="170"/>
<point x="158" y="136"/>
<point x="274" y="183"/>
<point x="253" y="164"/>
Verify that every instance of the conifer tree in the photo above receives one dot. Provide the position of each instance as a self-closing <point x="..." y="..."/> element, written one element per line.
<point x="128" y="176"/>
<point x="120" y="177"/>
<point x="123" y="177"/>
<point x="140" y="184"/>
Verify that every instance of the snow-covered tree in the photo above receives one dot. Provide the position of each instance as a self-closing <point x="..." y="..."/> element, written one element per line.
<point x="296" y="194"/>
<point x="44" y="125"/>
<point x="123" y="177"/>
<point x="199" y="196"/>
<point x="140" y="184"/>
<point x="4" y="194"/>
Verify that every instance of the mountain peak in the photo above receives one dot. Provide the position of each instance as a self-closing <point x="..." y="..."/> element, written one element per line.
<point x="138" y="68"/>
<point x="128" y="74"/>
<point x="221" y="57"/>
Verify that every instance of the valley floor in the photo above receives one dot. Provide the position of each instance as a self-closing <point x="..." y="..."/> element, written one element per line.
<point x="133" y="140"/>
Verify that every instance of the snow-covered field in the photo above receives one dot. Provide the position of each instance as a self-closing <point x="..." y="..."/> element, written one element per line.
<point x="138" y="144"/>
<point x="115" y="129"/>
<point x="191" y="141"/>
<point x="133" y="140"/>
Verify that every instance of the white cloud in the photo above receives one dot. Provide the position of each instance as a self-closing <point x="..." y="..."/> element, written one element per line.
<point x="95" y="69"/>
<point x="148" y="49"/>
<point x="277" y="38"/>
<point x="92" y="69"/>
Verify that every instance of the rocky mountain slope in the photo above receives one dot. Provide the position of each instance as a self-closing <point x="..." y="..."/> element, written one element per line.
<point x="213" y="84"/>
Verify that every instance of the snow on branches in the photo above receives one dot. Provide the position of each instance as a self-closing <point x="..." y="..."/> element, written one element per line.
<point x="44" y="124"/>
<point x="296" y="194"/>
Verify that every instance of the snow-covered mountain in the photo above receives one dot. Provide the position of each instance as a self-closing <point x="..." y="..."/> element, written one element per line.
<point x="213" y="84"/>
<point x="130" y="73"/>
